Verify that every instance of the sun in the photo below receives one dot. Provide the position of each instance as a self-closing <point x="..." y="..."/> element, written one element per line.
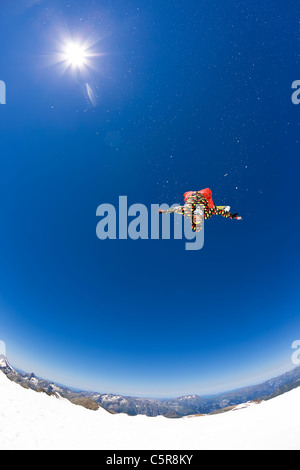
<point x="75" y="55"/>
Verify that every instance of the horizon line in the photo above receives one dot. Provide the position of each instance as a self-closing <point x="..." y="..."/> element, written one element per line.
<point x="154" y="397"/>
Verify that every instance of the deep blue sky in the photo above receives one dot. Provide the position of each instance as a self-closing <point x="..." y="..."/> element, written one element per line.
<point x="189" y="95"/>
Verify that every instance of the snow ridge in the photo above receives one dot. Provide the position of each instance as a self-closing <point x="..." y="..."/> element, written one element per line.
<point x="36" y="421"/>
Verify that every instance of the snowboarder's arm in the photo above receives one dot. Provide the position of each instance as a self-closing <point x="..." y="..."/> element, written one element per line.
<point x="226" y="214"/>
<point x="177" y="209"/>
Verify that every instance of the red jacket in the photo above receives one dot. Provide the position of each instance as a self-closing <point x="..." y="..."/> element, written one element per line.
<point x="205" y="192"/>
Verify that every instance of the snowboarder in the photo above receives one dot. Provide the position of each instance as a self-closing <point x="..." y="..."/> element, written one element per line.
<point x="199" y="205"/>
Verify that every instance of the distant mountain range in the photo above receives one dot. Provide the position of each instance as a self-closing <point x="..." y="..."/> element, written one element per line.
<point x="171" y="408"/>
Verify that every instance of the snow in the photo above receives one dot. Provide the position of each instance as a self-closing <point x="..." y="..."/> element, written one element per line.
<point x="55" y="387"/>
<point x="111" y="397"/>
<point x="3" y="361"/>
<point x="35" y="421"/>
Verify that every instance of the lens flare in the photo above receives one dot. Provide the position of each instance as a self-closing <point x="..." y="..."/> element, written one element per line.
<point x="75" y="55"/>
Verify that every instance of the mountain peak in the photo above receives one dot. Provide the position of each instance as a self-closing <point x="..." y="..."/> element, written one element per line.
<point x="5" y="365"/>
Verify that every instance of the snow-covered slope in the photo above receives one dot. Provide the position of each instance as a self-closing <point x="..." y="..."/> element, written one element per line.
<point x="32" y="420"/>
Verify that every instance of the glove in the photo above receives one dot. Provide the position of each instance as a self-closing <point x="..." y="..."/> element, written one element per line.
<point x="237" y="217"/>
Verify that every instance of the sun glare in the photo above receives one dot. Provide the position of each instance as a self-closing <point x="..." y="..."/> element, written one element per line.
<point x="75" y="55"/>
